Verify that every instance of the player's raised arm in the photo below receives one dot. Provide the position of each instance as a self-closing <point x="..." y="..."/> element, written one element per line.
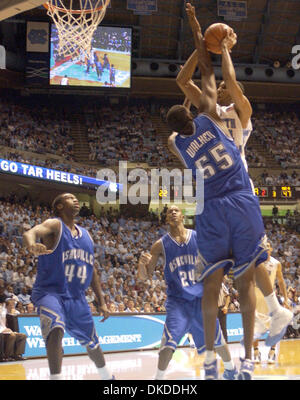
<point x="187" y="103"/>
<point x="50" y="227"/>
<point x="185" y="82"/>
<point x="242" y="104"/>
<point x="148" y="261"/>
<point x="208" y="99"/>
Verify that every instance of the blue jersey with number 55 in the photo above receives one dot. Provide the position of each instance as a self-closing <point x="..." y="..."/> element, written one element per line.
<point x="183" y="266"/>
<point x="216" y="155"/>
<point x="68" y="270"/>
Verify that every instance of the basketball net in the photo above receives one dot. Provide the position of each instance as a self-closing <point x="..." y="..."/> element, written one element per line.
<point x="76" y="26"/>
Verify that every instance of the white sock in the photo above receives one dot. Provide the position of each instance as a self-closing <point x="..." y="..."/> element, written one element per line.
<point x="104" y="373"/>
<point x="56" y="377"/>
<point x="159" y="374"/>
<point x="272" y="302"/>
<point x="210" y="357"/>
<point x="228" y="365"/>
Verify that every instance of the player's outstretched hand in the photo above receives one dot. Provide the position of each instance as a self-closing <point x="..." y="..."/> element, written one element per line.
<point x="194" y="24"/>
<point x="142" y="265"/>
<point x="230" y="39"/>
<point x="39" y="249"/>
<point x="145" y="258"/>
<point x="103" y="310"/>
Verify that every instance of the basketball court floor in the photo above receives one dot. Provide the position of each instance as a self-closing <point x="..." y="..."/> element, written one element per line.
<point x="141" y="365"/>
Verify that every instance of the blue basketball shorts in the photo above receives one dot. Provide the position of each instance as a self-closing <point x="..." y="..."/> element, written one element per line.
<point x="182" y="317"/>
<point x="72" y="315"/>
<point x="230" y="234"/>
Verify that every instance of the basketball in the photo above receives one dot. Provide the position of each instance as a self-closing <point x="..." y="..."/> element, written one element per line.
<point x="214" y="35"/>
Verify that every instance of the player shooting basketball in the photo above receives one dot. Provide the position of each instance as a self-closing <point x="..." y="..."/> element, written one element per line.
<point x="230" y="231"/>
<point x="234" y="108"/>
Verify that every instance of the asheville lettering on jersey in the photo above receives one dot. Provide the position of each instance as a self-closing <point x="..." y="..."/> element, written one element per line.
<point x="184" y="260"/>
<point x="200" y="141"/>
<point x="78" y="254"/>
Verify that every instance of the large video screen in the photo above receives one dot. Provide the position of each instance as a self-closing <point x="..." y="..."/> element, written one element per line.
<point x="109" y="64"/>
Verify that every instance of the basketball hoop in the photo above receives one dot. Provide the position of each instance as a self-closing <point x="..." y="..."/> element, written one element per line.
<point x="76" y="23"/>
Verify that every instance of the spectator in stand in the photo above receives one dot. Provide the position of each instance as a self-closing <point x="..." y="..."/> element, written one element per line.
<point x="13" y="342"/>
<point x="20" y="308"/>
<point x="29" y="281"/>
<point x="147" y="308"/>
<point x="84" y="211"/>
<point x="10" y="293"/>
<point x="121" y="307"/>
<point x="30" y="309"/>
<point x="11" y="307"/>
<point x="131" y="307"/>
<point x="90" y="295"/>
<point x="112" y="308"/>
<point x="24" y="297"/>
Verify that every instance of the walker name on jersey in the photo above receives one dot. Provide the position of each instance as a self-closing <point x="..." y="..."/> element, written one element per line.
<point x="186" y="259"/>
<point x="200" y="141"/>
<point x="78" y="254"/>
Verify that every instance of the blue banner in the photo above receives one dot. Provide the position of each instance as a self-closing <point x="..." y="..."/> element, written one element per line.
<point x="33" y="171"/>
<point x="117" y="333"/>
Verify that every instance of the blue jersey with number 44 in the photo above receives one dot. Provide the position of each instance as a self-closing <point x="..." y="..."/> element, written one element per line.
<point x="68" y="270"/>
<point x="216" y="155"/>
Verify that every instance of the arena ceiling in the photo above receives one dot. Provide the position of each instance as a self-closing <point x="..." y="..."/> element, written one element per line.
<point x="266" y="35"/>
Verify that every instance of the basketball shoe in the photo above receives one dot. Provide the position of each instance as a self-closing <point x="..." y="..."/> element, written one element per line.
<point x="246" y="370"/>
<point x="211" y="371"/>
<point x="230" y="374"/>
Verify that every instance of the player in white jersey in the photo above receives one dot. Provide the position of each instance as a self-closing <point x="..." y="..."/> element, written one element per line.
<point x="239" y="134"/>
<point x="262" y="317"/>
<point x="234" y="107"/>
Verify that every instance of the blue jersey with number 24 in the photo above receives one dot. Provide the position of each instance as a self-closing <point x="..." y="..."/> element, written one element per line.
<point x="182" y="266"/>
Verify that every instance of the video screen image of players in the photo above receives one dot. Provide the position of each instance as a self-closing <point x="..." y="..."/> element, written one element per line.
<point x="109" y="64"/>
